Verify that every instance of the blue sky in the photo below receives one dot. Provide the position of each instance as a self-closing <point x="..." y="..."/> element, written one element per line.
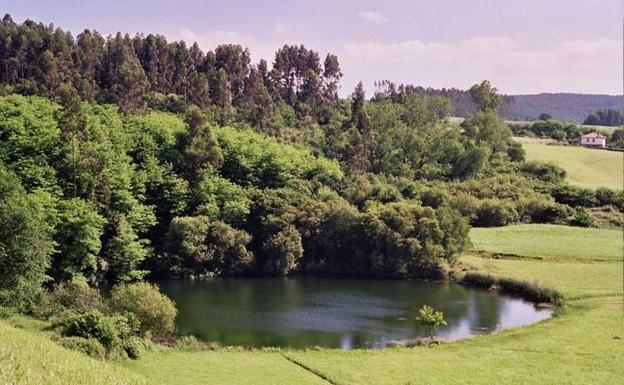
<point x="522" y="46"/>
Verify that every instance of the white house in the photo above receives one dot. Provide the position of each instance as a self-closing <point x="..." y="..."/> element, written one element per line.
<point x="594" y="139"/>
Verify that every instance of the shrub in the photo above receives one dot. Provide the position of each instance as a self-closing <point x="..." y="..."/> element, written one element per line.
<point x="492" y="213"/>
<point x="540" y="211"/>
<point x="575" y="196"/>
<point x="606" y="197"/>
<point x="546" y="172"/>
<point x="110" y="331"/>
<point x="434" y="197"/>
<point x="515" y="152"/>
<point x="581" y="218"/>
<point x="77" y="296"/>
<point x="431" y="319"/>
<point x="154" y="310"/>
<point x="132" y="348"/>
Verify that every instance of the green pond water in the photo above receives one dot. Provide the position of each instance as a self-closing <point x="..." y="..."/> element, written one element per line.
<point x="336" y="313"/>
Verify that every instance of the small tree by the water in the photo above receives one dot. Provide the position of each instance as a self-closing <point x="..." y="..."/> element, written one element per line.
<point x="431" y="319"/>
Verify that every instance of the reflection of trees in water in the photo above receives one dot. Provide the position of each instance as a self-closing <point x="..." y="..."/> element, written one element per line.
<point x="482" y="314"/>
<point x="326" y="312"/>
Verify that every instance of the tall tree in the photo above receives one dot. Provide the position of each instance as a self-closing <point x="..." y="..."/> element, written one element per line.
<point x="125" y="78"/>
<point x="485" y="96"/>
<point x="331" y="77"/>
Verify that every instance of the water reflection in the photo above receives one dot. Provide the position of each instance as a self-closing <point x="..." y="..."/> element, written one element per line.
<point x="346" y="314"/>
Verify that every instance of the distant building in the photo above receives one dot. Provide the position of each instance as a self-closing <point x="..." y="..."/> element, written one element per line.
<point x="594" y="139"/>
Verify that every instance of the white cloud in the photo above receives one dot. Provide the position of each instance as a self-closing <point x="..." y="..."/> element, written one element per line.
<point x="371" y="17"/>
<point x="211" y="39"/>
<point x="574" y="65"/>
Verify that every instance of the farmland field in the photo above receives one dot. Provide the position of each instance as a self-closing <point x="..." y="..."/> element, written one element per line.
<point x="590" y="168"/>
<point x="550" y="242"/>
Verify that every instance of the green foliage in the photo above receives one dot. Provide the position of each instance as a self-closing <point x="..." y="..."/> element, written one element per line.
<point x="125" y="252"/>
<point x="486" y="127"/>
<point x="431" y="319"/>
<point x="201" y="246"/>
<point x="282" y="251"/>
<point x="154" y="311"/>
<point x="78" y="236"/>
<point x="29" y="142"/>
<point x="221" y="199"/>
<point x="546" y="172"/>
<point x="485" y="96"/>
<point x="26" y="227"/>
<point x="77" y="296"/>
<point x="110" y="331"/>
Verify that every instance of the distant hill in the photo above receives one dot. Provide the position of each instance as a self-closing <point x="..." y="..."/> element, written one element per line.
<point x="562" y="106"/>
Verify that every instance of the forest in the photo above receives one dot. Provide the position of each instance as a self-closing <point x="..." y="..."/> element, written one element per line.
<point x="129" y="158"/>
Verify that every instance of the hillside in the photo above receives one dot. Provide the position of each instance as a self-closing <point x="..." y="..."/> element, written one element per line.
<point x="584" y="167"/>
<point x="562" y="106"/>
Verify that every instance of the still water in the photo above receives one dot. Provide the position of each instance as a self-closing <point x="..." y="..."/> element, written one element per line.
<point x="336" y="313"/>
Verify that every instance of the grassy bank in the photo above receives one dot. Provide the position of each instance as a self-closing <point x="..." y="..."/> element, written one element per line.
<point x="30" y="357"/>
<point x="590" y="168"/>
<point x="551" y="242"/>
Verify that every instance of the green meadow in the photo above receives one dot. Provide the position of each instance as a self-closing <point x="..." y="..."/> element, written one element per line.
<point x="550" y="242"/>
<point x="590" y="168"/>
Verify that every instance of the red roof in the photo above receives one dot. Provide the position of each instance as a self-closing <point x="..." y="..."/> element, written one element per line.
<point x="593" y="135"/>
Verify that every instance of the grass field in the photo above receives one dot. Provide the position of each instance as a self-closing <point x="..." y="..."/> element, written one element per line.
<point x="550" y="242"/>
<point x="28" y="357"/>
<point x="590" y="168"/>
<point x="583" y="345"/>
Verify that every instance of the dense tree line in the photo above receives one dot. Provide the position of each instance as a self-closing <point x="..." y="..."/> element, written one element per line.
<point x="140" y="71"/>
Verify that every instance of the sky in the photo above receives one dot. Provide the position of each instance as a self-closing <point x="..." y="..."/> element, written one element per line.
<point x="521" y="46"/>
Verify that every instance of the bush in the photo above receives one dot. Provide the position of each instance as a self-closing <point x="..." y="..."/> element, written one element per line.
<point x="575" y="196"/>
<point x="606" y="197"/>
<point x="110" y="331"/>
<point x="77" y="296"/>
<point x="540" y="211"/>
<point x="132" y="348"/>
<point x="546" y="172"/>
<point x="492" y="213"/>
<point x="581" y="218"/>
<point x="154" y="310"/>
<point x="434" y="197"/>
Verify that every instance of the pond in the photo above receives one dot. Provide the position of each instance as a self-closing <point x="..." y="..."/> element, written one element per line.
<point x="336" y="313"/>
